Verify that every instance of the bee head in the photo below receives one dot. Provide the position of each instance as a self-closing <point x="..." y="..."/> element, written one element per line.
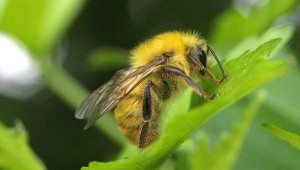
<point x="198" y="58"/>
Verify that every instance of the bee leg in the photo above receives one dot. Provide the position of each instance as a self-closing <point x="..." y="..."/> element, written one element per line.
<point x="189" y="81"/>
<point x="147" y="113"/>
<point x="212" y="76"/>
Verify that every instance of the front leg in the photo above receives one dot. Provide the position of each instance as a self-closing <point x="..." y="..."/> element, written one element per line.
<point x="189" y="81"/>
<point x="212" y="76"/>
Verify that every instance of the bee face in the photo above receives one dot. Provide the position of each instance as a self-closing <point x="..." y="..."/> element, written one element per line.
<point x="197" y="57"/>
<point x="201" y="55"/>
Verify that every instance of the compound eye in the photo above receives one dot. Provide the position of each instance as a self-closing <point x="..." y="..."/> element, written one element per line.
<point x="201" y="56"/>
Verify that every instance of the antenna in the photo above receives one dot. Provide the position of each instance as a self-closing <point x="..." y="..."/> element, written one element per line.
<point x="219" y="63"/>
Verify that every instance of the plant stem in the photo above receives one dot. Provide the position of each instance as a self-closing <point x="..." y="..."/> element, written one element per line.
<point x="69" y="90"/>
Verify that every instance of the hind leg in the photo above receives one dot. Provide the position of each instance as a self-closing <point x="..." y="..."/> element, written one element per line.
<point x="147" y="114"/>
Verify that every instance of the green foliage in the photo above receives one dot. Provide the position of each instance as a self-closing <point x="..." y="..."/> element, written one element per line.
<point x="290" y="107"/>
<point x="39" y="24"/>
<point x="199" y="156"/>
<point x="232" y="27"/>
<point x="2" y="7"/>
<point x="15" y="152"/>
<point x="283" y="32"/>
<point x="43" y="23"/>
<point x="292" y="138"/>
<point x="249" y="71"/>
<point x="108" y="58"/>
<point x="64" y="85"/>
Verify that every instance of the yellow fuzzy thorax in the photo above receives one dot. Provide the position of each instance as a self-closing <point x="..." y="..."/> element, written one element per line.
<point x="175" y="41"/>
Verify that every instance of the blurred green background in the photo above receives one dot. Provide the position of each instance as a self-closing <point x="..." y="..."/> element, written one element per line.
<point x="88" y="41"/>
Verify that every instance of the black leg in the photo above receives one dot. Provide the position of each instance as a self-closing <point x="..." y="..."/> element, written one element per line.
<point x="189" y="81"/>
<point x="147" y="113"/>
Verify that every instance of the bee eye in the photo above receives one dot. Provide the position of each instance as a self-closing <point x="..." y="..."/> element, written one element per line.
<point x="201" y="56"/>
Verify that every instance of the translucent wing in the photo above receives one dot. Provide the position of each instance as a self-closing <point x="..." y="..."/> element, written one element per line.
<point x="106" y="97"/>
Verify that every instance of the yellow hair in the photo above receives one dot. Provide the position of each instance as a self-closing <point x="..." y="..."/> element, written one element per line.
<point x="174" y="41"/>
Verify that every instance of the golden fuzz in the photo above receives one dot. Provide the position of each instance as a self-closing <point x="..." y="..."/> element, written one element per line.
<point x="175" y="41"/>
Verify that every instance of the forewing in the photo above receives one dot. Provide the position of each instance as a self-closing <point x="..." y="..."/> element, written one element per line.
<point x="106" y="98"/>
<point x="99" y="95"/>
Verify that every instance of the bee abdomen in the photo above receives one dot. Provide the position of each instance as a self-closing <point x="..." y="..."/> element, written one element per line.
<point x="129" y="115"/>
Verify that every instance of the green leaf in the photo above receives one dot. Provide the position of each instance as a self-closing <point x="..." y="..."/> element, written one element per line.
<point x="246" y="73"/>
<point x="201" y="157"/>
<point x="228" y="149"/>
<point x="39" y="24"/>
<point x="15" y="152"/>
<point x="183" y="155"/>
<point x="229" y="145"/>
<point x="108" y="58"/>
<point x="2" y="8"/>
<point x="233" y="27"/>
<point x="291" y="138"/>
<point x="174" y="108"/>
<point x="285" y="33"/>
<point x="289" y="86"/>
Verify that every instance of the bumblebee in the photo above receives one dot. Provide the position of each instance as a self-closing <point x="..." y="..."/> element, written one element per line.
<point x="161" y="68"/>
